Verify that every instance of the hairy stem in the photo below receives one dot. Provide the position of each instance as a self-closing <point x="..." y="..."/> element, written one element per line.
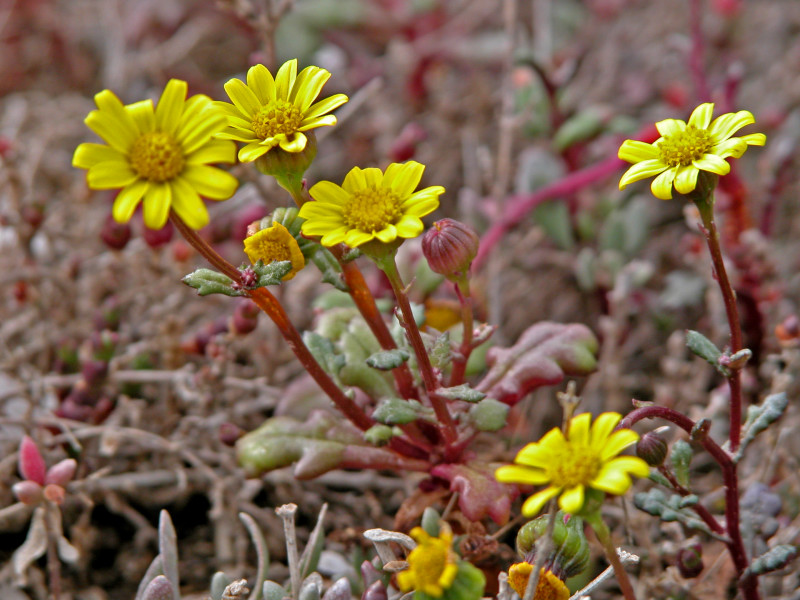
<point x="204" y="248"/>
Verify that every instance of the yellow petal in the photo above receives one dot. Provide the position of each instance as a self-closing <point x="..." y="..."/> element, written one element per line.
<point x="634" y="151"/>
<point x="713" y="164"/>
<point x="571" y="500"/>
<point x="409" y="227"/>
<point x="252" y="151"/>
<point x="157" y="202"/>
<point x="325" y="106"/>
<point x="108" y="128"/>
<point x="213" y="151"/>
<point x="293" y="143"/>
<point x="304" y="84"/>
<point x="327" y="191"/>
<point x="87" y="155"/>
<point x="404" y="178"/>
<point x="686" y="178"/>
<point x="334" y="237"/>
<point x="188" y="205"/>
<point x="754" y="139"/>
<point x="372" y="177"/>
<point x="320" y="211"/>
<point x="669" y="127"/>
<point x="285" y="78"/>
<point x="111" y="107"/>
<point x="239" y="135"/>
<point x="317" y="122"/>
<point x="260" y="80"/>
<point x="662" y="185"/>
<point x="356" y="237"/>
<point x="521" y="474"/>
<point x="535" y="503"/>
<point x="199" y="130"/>
<point x="243" y="97"/>
<point x="170" y="106"/>
<point x="127" y="200"/>
<point x="726" y="125"/>
<point x="617" y="442"/>
<point x="701" y="116"/>
<point x="534" y="455"/>
<point x="210" y="182"/>
<point x="143" y="115"/>
<point x="110" y="174"/>
<point x="578" y="431"/>
<point x="602" y="427"/>
<point x="643" y="170"/>
<point x="732" y="147"/>
<point x="387" y="234"/>
<point x="354" y="180"/>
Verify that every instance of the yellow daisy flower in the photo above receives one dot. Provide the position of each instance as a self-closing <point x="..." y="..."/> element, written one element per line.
<point x="161" y="155"/>
<point x="549" y="587"/>
<point x="584" y="458"/>
<point x="432" y="565"/>
<point x="683" y="150"/>
<point x="275" y="244"/>
<point x="370" y="204"/>
<point x="269" y="112"/>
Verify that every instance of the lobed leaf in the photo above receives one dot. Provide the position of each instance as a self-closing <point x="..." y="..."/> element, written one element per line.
<point x="386" y="360"/>
<point x="208" y="281"/>
<point x="707" y="350"/>
<point x="775" y="558"/>
<point x="480" y="494"/>
<point x="461" y="392"/>
<point x="670" y="508"/>
<point x="760" y="417"/>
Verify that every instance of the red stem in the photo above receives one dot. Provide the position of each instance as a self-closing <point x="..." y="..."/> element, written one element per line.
<point x="460" y="361"/>
<point x="735" y="544"/>
<point x="205" y="249"/>
<point x="701" y="510"/>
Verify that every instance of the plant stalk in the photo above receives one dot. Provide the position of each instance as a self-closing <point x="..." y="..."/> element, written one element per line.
<point x="460" y="361"/>
<point x="604" y="536"/>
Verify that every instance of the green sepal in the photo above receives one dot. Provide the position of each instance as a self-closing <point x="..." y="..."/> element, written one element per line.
<point x="772" y="560"/>
<point x="680" y="457"/>
<point x="670" y="508"/>
<point x="760" y="417"/>
<point x="430" y="521"/>
<point x="208" y="281"/>
<point x="707" y="350"/>
<point x="395" y="411"/>
<point x="461" y="392"/>
<point x="386" y="360"/>
<point x="488" y="415"/>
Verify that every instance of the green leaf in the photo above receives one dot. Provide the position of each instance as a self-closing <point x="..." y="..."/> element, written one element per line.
<point x="554" y="218"/>
<point x="680" y="457"/>
<point x="461" y="392"/>
<point x="262" y="552"/>
<point x="271" y="274"/>
<point x="374" y="384"/>
<point x="772" y="560"/>
<point x="658" y="478"/>
<point x="440" y="352"/>
<point x="544" y="354"/>
<point x="395" y="411"/>
<point x="468" y="584"/>
<point x="207" y="281"/>
<point x="386" y="360"/>
<point x="488" y="414"/>
<point x="706" y="349"/>
<point x="379" y="435"/>
<point x="323" y="350"/>
<point x="670" y="508"/>
<point x="329" y="267"/>
<point x="760" y="417"/>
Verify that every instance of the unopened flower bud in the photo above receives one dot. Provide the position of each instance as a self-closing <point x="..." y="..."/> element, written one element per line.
<point x="27" y="492"/>
<point x="229" y="433"/>
<point x="449" y="246"/>
<point x="31" y="462"/>
<point x="115" y="235"/>
<point x="690" y="561"/>
<point x="652" y="448"/>
<point x="245" y="318"/>
<point x="62" y="472"/>
<point x="788" y="332"/>
<point x="569" y="553"/>
<point x="155" y="238"/>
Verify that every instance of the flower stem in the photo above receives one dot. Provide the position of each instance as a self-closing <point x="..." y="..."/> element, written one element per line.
<point x="604" y="536"/>
<point x="204" y="248"/>
<point x="53" y="564"/>
<point x="706" y="209"/>
<point x="460" y="361"/>
<point x="735" y="544"/>
<point x="389" y="267"/>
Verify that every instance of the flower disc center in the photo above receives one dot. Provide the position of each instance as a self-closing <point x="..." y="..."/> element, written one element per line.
<point x="157" y="156"/>
<point x="277" y="117"/>
<point x="372" y="209"/>
<point x="681" y="148"/>
<point x="577" y="466"/>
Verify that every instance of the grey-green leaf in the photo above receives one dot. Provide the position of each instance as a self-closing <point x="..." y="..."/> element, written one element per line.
<point x="461" y="392"/>
<point x="489" y="414"/>
<point x="670" y="508"/>
<point x="273" y="273"/>
<point x="388" y="359"/>
<point x="705" y="349"/>
<point x="762" y="416"/>
<point x="680" y="457"/>
<point x="772" y="560"/>
<point x="207" y="281"/>
<point x="394" y="411"/>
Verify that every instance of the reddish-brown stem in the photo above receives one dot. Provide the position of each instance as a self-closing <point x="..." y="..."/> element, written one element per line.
<point x="749" y="585"/>
<point x="701" y="510"/>
<point x="706" y="209"/>
<point x="389" y="267"/>
<point x="205" y="249"/>
<point x="53" y="564"/>
<point x="460" y="361"/>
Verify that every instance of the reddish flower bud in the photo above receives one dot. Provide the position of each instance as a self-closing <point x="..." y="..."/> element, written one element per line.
<point x="115" y="235"/>
<point x="690" y="561"/>
<point x="229" y="433"/>
<point x="55" y="493"/>
<point x="245" y="317"/>
<point x="652" y="448"/>
<point x="62" y="472"/>
<point x="155" y="238"/>
<point x="449" y="246"/>
<point x="27" y="492"/>
<point x="31" y="463"/>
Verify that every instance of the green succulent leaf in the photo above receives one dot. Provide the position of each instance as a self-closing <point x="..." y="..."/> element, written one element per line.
<point x="440" y="352"/>
<point x="271" y="274"/>
<point x="772" y="560"/>
<point x="670" y="508"/>
<point x="680" y="457"/>
<point x="707" y="350"/>
<point x="461" y="392"/>
<point x="208" y="281"/>
<point x="327" y="264"/>
<point x="488" y="414"/>
<point x="386" y="360"/>
<point x="324" y="352"/>
<point x="395" y="411"/>
<point x="760" y="417"/>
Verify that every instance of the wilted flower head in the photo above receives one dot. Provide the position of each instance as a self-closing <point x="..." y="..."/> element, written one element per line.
<point x="158" y="156"/>
<point x="275" y="244"/>
<point x="683" y="150"/>
<point x="549" y="587"/>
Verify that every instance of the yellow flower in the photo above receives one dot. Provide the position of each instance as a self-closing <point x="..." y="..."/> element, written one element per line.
<point x="432" y="565"/>
<point x="370" y="205"/>
<point x="585" y="458"/>
<point x="684" y="150"/>
<point x="550" y="587"/>
<point x="269" y="112"/>
<point x="275" y="244"/>
<point x="160" y="155"/>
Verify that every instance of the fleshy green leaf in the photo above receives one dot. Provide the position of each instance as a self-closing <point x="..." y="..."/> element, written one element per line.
<point x="670" y="508"/>
<point x="271" y="274"/>
<point x="488" y="415"/>
<point x="323" y="350"/>
<point x="772" y="560"/>
<point x="479" y="493"/>
<point x="760" y="417"/>
<point x="207" y="281"/>
<point x="544" y="354"/>
<point x="554" y="218"/>
<point x="395" y="411"/>
<point x="680" y="457"/>
<point x="262" y="552"/>
<point x="461" y="392"/>
<point x="706" y="349"/>
<point x="440" y="352"/>
<point x="386" y="360"/>
<point x="328" y="265"/>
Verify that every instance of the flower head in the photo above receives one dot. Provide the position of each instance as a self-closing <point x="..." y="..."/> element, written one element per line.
<point x="550" y="587"/>
<point x="586" y="457"/>
<point x="432" y="565"/>
<point x="268" y="112"/>
<point x="275" y="244"/>
<point x="370" y="204"/>
<point x="161" y="155"/>
<point x="683" y="150"/>
<point x="449" y="247"/>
